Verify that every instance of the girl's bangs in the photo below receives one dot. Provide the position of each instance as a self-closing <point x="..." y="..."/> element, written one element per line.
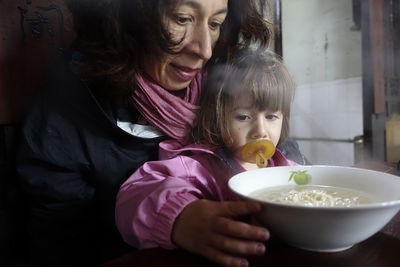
<point x="270" y="87"/>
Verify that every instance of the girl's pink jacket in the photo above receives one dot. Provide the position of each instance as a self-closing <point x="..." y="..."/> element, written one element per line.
<point x="151" y="199"/>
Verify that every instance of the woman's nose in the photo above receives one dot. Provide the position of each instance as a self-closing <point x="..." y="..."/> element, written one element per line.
<point x="201" y="42"/>
<point x="260" y="129"/>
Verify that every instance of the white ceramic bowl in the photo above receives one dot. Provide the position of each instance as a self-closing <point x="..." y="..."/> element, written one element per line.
<point x="326" y="229"/>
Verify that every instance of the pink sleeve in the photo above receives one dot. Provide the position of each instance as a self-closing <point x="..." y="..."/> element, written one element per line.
<point x="151" y="199"/>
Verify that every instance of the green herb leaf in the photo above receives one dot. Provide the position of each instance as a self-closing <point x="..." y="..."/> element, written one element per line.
<point x="300" y="177"/>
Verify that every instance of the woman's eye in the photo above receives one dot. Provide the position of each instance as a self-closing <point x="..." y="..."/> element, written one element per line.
<point x="181" y="20"/>
<point x="215" y="25"/>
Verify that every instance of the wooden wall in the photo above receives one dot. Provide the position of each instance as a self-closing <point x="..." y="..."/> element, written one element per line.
<point x="32" y="33"/>
<point x="380" y="25"/>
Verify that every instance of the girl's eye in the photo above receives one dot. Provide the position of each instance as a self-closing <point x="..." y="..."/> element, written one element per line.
<point x="242" y="117"/>
<point x="272" y="117"/>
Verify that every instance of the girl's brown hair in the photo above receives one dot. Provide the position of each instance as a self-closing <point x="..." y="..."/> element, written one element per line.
<point x="258" y="72"/>
<point x="116" y="36"/>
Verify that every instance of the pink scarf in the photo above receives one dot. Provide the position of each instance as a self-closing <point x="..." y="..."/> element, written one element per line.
<point x="173" y="115"/>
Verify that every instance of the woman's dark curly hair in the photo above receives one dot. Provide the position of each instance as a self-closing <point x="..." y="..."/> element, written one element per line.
<point x="115" y="37"/>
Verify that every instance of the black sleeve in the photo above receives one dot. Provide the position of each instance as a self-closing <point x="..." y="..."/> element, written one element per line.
<point x="54" y="176"/>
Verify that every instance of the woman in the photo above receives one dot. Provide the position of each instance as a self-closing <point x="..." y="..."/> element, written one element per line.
<point x="131" y="80"/>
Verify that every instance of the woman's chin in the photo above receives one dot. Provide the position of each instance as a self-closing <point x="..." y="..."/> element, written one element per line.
<point x="177" y="86"/>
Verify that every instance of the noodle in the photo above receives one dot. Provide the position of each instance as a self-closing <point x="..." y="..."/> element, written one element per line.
<point x="313" y="196"/>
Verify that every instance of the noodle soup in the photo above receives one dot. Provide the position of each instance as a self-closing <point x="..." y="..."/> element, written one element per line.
<point x="365" y="200"/>
<point x="313" y="196"/>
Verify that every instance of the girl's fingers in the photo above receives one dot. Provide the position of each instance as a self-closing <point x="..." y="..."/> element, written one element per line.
<point x="231" y="227"/>
<point x="238" y="208"/>
<point x="235" y="246"/>
<point x="212" y="229"/>
<point x="237" y="229"/>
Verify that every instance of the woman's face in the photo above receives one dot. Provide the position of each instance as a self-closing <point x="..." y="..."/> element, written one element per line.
<point x="247" y="124"/>
<point x="198" y="22"/>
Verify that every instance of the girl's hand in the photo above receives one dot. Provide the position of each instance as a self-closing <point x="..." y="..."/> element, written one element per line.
<point x="210" y="229"/>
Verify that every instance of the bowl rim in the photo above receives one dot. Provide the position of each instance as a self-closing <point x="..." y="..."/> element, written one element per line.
<point x="375" y="205"/>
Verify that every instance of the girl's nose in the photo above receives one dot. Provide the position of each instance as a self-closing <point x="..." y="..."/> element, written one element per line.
<point x="260" y="129"/>
<point x="201" y="42"/>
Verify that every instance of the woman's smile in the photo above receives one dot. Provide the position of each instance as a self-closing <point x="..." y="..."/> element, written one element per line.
<point x="185" y="73"/>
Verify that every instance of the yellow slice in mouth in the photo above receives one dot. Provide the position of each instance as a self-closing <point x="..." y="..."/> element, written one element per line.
<point x="258" y="152"/>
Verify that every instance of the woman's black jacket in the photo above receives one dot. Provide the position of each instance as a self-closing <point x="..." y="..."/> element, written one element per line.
<point x="72" y="159"/>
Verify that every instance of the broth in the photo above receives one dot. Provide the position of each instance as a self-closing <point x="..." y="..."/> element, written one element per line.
<point x="313" y="196"/>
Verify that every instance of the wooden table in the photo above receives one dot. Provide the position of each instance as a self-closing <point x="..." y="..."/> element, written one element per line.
<point x="380" y="250"/>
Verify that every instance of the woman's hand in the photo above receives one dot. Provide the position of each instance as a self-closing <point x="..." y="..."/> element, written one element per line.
<point x="211" y="229"/>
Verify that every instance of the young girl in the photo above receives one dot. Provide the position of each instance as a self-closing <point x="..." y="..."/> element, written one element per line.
<point x="242" y="102"/>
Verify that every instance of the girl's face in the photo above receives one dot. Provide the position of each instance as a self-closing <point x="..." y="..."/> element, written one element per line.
<point x="198" y="22"/>
<point x="248" y="124"/>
